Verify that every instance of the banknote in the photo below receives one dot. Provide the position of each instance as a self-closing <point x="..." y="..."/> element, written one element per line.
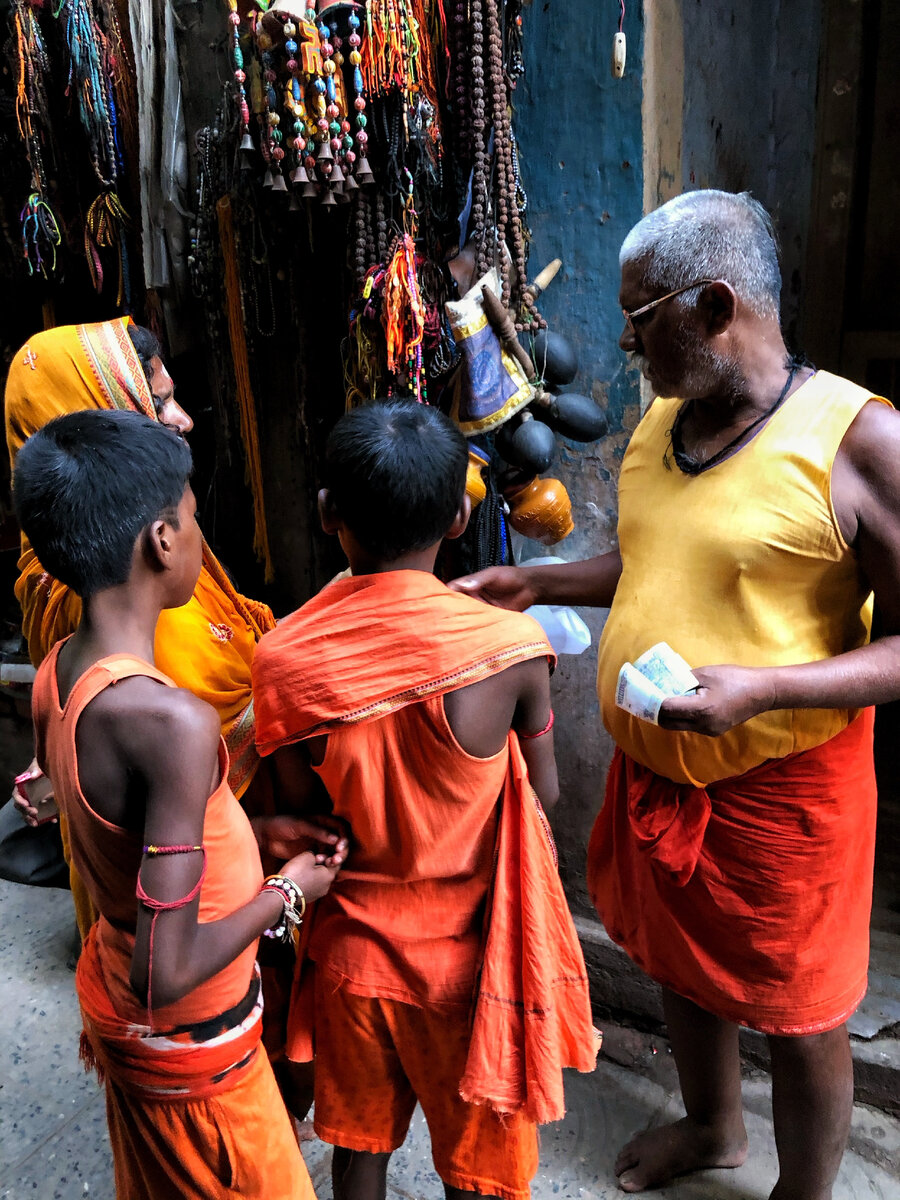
<point x="638" y="695"/>
<point x="667" y="669"/>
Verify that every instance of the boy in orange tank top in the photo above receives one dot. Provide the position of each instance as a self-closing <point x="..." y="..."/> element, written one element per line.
<point x="167" y="981"/>
<point x="444" y="959"/>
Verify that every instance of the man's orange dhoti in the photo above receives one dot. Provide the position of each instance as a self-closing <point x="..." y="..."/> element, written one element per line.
<point x="750" y="896"/>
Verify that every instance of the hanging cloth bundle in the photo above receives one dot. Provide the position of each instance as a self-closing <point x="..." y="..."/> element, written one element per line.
<point x="245" y="397"/>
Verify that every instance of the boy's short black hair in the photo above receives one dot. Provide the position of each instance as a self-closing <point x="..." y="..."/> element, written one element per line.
<point x="86" y="484"/>
<point x="396" y="473"/>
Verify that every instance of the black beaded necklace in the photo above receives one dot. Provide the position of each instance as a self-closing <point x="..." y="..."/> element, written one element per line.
<point x="688" y="465"/>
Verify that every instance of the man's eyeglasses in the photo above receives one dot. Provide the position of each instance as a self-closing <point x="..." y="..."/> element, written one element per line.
<point x="645" y="308"/>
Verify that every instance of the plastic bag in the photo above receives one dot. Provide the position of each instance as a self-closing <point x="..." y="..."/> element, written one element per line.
<point x="565" y="630"/>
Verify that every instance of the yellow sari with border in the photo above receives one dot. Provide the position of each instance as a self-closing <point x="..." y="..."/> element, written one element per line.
<point x="206" y="646"/>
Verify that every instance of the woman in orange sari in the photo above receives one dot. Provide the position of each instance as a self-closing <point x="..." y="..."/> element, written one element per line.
<point x="207" y="646"/>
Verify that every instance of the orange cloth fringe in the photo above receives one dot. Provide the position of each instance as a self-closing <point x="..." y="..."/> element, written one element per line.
<point x="245" y="398"/>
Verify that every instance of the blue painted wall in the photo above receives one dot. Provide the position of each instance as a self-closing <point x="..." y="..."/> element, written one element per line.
<point x="581" y="147"/>
<point x="580" y="139"/>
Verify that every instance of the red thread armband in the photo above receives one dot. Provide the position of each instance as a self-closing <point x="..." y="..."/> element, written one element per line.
<point x="526" y="737"/>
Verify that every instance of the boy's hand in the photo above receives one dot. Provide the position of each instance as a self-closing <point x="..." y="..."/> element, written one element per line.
<point x="504" y="587"/>
<point x="33" y="796"/>
<point x="285" y="836"/>
<point x="312" y="876"/>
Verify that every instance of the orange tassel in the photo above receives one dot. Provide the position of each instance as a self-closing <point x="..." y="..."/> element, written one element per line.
<point x="245" y="398"/>
<point x="88" y="1057"/>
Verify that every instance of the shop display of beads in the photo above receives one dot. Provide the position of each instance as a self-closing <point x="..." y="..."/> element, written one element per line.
<point x="402" y="109"/>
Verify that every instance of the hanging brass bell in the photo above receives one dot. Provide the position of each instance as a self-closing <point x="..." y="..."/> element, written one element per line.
<point x="294" y="204"/>
<point x="350" y="184"/>
<point x="300" y="174"/>
<point x="268" y="179"/>
<point x="323" y="154"/>
<point x="309" y="190"/>
<point x="328" y="200"/>
<point x="247" y="143"/>
<point x="278" y="184"/>
<point x="364" y="172"/>
<point x="337" y="174"/>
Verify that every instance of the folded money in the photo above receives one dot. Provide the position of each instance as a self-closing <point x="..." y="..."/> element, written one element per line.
<point x="659" y="673"/>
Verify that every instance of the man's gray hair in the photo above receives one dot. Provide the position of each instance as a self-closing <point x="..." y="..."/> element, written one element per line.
<point x="710" y="235"/>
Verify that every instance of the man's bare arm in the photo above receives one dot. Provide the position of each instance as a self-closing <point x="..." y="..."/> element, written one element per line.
<point x="591" y="582"/>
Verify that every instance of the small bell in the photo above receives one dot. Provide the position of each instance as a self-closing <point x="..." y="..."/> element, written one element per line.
<point x="323" y="154"/>
<point x="278" y="184"/>
<point x="328" y="200"/>
<point x="294" y="204"/>
<point x="300" y="174"/>
<point x="309" y="190"/>
<point x="247" y="142"/>
<point x="364" y="172"/>
<point x="350" y="184"/>
<point x="341" y="196"/>
<point x="337" y="175"/>
<point x="268" y="179"/>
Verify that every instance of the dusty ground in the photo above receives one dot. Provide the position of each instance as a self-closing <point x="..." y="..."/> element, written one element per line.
<point x="52" y="1120"/>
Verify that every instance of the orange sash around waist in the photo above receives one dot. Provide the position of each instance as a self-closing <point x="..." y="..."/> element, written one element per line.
<point x="190" y="1062"/>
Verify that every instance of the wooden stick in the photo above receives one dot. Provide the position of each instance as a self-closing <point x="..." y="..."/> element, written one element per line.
<point x="502" y="324"/>
<point x="544" y="278"/>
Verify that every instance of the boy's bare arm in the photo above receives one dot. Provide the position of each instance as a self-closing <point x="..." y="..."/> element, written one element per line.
<point x="174" y="754"/>
<point x="532" y="715"/>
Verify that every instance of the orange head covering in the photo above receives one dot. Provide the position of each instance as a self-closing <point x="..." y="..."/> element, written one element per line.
<point x="206" y="646"/>
<point x="70" y="369"/>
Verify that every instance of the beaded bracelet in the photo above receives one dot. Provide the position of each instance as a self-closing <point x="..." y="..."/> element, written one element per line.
<point x="287" y="928"/>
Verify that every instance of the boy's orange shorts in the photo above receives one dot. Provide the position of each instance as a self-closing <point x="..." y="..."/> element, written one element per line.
<point x="375" y="1058"/>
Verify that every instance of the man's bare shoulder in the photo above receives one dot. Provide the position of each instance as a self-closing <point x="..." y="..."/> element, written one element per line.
<point x="872" y="441"/>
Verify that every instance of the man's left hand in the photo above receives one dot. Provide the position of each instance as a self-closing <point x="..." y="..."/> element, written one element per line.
<point x="726" y="697"/>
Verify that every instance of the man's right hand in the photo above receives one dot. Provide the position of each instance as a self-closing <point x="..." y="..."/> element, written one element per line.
<point x="504" y="587"/>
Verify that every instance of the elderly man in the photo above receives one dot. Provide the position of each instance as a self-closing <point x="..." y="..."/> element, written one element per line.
<point x="759" y="509"/>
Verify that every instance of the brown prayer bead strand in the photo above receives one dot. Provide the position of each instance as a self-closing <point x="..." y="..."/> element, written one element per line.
<point x="500" y="119"/>
<point x="459" y="85"/>
<point x="381" y="226"/>
<point x="361" y="257"/>
<point x="371" y="247"/>
<point x="480" y="197"/>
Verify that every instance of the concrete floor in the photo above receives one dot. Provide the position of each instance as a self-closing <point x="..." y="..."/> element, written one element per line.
<point x="53" y="1128"/>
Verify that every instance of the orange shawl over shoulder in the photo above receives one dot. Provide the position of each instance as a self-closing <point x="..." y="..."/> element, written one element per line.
<point x="363" y="649"/>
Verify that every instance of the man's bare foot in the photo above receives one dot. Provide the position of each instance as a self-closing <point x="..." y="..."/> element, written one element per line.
<point x="658" y="1155"/>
